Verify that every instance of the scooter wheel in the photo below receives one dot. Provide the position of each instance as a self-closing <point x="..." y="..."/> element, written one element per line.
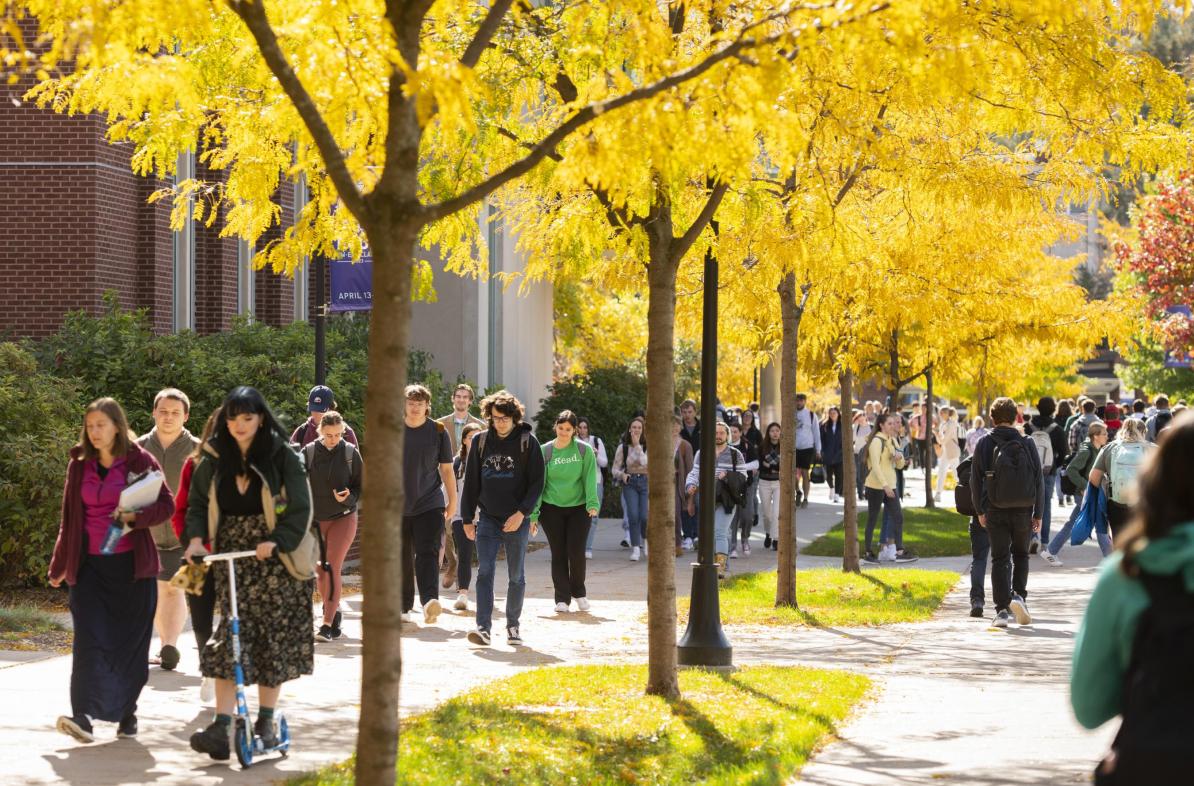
<point x="283" y="736"/>
<point x="242" y="740"/>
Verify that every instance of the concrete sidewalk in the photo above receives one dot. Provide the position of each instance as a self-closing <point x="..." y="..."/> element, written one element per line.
<point x="438" y="663"/>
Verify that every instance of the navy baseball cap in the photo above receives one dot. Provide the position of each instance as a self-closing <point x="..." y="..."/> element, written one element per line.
<point x="319" y="399"/>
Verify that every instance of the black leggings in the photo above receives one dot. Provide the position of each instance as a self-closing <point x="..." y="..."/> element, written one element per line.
<point x="833" y="477"/>
<point x="566" y="530"/>
<point x="203" y="609"/>
<point x="464" y="556"/>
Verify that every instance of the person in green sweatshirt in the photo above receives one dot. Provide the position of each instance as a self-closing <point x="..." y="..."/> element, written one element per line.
<point x="1133" y="651"/>
<point x="566" y="508"/>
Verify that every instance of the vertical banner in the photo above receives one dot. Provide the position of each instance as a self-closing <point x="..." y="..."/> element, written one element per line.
<point x="352" y="284"/>
<point x="1178" y="358"/>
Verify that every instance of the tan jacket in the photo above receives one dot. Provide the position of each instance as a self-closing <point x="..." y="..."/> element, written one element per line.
<point x="449" y="422"/>
<point x="882" y="462"/>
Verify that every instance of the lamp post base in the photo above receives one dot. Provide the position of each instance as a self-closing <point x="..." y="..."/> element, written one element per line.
<point x="704" y="643"/>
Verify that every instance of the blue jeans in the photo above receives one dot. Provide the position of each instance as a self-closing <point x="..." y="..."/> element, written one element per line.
<point x="593" y="523"/>
<point x="721" y="529"/>
<point x="489" y="538"/>
<point x="690" y="525"/>
<point x="1063" y="537"/>
<point x="634" y="502"/>
<point x="980" y="550"/>
<point x="893" y="518"/>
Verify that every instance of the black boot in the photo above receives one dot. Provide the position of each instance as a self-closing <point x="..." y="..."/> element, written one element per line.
<point x="213" y="741"/>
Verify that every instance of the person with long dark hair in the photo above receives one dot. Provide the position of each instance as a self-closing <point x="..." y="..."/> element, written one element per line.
<point x="769" y="485"/>
<point x="630" y="469"/>
<point x="1133" y="651"/>
<point x="464" y="546"/>
<point x="831" y="452"/>
<point x="249" y="492"/>
<point x="113" y="596"/>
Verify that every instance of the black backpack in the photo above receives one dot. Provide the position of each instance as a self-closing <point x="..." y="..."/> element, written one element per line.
<point x="963" y="500"/>
<point x="1152" y="745"/>
<point x="1161" y="421"/>
<point x="1014" y="478"/>
<point x="731" y="490"/>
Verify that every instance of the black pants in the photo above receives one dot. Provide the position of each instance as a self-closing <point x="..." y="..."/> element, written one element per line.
<point x="464" y="556"/>
<point x="421" y="536"/>
<point x="1118" y="517"/>
<point x="1011" y="533"/>
<point x="567" y="529"/>
<point x="203" y="609"/>
<point x="833" y="477"/>
<point x="980" y="550"/>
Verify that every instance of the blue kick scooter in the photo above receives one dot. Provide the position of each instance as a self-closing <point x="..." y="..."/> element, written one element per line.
<point x="246" y="743"/>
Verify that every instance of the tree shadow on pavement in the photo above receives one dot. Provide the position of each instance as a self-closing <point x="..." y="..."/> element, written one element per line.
<point x="92" y="764"/>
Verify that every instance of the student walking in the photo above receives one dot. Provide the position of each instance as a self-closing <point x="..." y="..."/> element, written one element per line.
<point x="808" y="447"/>
<point x="1007" y="489"/>
<point x="464" y="545"/>
<point x="831" y="452"/>
<point x="744" y="514"/>
<point x="1074" y="479"/>
<point x="630" y="469"/>
<point x="334" y="470"/>
<point x="430" y="502"/>
<point x="769" y="485"/>
<point x="454" y="422"/>
<point x="882" y="460"/>
<point x="249" y="492"/>
<point x="319" y="401"/>
<point x="950" y="449"/>
<point x="1133" y="651"/>
<point x="566" y="508"/>
<point x="729" y="462"/>
<point x="502" y="483"/>
<point x="1115" y="470"/>
<point x="592" y="440"/>
<point x="170" y="444"/>
<point x="862" y="431"/>
<point x="683" y="458"/>
<point x="112" y="596"/>
<point x="1056" y="445"/>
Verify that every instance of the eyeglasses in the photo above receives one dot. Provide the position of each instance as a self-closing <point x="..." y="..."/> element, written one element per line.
<point x="501" y="418"/>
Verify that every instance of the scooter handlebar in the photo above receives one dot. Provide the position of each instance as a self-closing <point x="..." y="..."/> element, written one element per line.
<point x="227" y="556"/>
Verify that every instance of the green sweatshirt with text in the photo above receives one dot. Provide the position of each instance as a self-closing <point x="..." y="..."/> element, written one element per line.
<point x="570" y="479"/>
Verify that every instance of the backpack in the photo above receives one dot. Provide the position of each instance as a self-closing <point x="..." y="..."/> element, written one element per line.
<point x="963" y="501"/>
<point x="524" y="444"/>
<point x="1152" y="745"/>
<point x="1044" y="449"/>
<point x="1125" y="465"/>
<point x="1160" y="423"/>
<point x="309" y="455"/>
<point x="549" y="448"/>
<point x="1078" y="432"/>
<point x="1012" y="481"/>
<point x="731" y="490"/>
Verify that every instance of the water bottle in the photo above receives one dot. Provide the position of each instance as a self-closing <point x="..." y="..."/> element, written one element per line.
<point x="115" y="532"/>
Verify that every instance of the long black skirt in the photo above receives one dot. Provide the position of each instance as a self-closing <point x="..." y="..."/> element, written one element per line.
<point x="113" y="619"/>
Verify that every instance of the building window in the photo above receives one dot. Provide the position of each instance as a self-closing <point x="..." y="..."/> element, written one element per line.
<point x="246" y="290"/>
<point x="184" y="252"/>
<point x="301" y="278"/>
<point x="494" y="236"/>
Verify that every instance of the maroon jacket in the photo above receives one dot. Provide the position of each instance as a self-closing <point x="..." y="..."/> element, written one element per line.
<point x="71" y="546"/>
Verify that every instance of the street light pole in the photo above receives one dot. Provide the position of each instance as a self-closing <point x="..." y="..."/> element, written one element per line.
<point x="321" y="311"/>
<point x="704" y="643"/>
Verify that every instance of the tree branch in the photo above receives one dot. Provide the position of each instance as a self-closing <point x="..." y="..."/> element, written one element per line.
<point x="252" y="13"/>
<point x="682" y="245"/>
<point x="485" y="33"/>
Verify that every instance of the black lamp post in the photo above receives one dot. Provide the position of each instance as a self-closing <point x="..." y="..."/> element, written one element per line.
<point x="704" y="643"/>
<point x="321" y="311"/>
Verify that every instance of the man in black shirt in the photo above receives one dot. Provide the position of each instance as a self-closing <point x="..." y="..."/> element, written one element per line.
<point x="430" y="502"/>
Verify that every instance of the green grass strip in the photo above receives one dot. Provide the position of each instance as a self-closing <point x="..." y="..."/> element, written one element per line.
<point x="593" y="725"/>
<point x="939" y="532"/>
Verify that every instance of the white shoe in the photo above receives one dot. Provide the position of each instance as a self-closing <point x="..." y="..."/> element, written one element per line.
<point x="582" y="604"/>
<point x="733" y="553"/>
<point x="408" y="617"/>
<point x="687" y="544"/>
<point x="431" y="611"/>
<point x="207" y="691"/>
<point x="1051" y="558"/>
<point x="561" y="608"/>
<point x="746" y="549"/>
<point x="1019" y="610"/>
<point x="461" y="603"/>
<point x="888" y="553"/>
<point x="635" y="553"/>
<point x="589" y="554"/>
<point x="644" y="548"/>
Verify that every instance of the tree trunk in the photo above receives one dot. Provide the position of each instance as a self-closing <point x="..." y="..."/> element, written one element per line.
<point x="927" y="424"/>
<point x="785" y="580"/>
<point x="893" y="372"/>
<point x="981" y="403"/>
<point x="381" y="539"/>
<point x="662" y="677"/>
<point x="850" y="563"/>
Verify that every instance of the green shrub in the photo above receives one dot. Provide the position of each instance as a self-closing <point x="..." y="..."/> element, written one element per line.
<point x="37" y="412"/>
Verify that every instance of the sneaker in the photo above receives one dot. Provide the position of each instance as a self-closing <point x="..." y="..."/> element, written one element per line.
<point x="77" y="726"/>
<point x="635" y="554"/>
<point x="746" y="549"/>
<point x="127" y="728"/>
<point x="733" y="553"/>
<point x="1020" y="610"/>
<point x="336" y="620"/>
<point x="906" y="556"/>
<point x="213" y="741"/>
<point x="561" y="608"/>
<point x="870" y="557"/>
<point x="976" y="610"/>
<point x="687" y="544"/>
<point x="1034" y="546"/>
<point x="512" y="636"/>
<point x="804" y="502"/>
<point x="431" y="611"/>
<point x="461" y="603"/>
<point x="267" y="732"/>
<point x="766" y="541"/>
<point x="1000" y="621"/>
<point x="887" y="553"/>
<point x="582" y="604"/>
<point x="479" y="637"/>
<point x="408" y="617"/>
<point x="324" y="633"/>
<point x="207" y="691"/>
<point x="169" y="656"/>
<point x="1051" y="558"/>
<point x="625" y="543"/>
<point x="775" y="545"/>
<point x="588" y="554"/>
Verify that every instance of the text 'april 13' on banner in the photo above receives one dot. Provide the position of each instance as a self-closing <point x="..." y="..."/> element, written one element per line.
<point x="352" y="283"/>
